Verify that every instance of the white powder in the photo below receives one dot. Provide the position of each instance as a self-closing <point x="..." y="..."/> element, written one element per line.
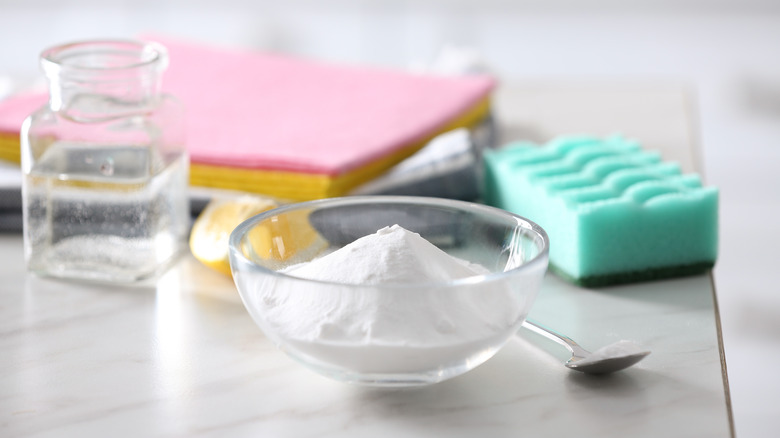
<point x="392" y="255"/>
<point x="612" y="351"/>
<point x="403" y="328"/>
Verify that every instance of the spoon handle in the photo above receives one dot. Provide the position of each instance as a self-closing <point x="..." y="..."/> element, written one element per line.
<point x="567" y="342"/>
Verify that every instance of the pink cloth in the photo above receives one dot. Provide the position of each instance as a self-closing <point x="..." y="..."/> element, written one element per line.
<point x="15" y="109"/>
<point x="258" y="110"/>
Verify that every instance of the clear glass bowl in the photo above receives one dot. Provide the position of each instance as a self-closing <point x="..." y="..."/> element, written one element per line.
<point x="389" y="334"/>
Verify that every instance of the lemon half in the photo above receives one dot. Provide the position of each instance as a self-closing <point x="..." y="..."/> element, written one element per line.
<point x="211" y="230"/>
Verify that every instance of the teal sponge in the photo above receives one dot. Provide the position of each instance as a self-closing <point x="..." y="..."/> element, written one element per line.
<point x="614" y="212"/>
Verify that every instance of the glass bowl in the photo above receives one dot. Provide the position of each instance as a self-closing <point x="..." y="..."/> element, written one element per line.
<point x="401" y="334"/>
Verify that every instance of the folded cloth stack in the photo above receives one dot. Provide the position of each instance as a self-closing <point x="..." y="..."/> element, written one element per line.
<point x="447" y="167"/>
<point x="10" y="198"/>
<point x="293" y="128"/>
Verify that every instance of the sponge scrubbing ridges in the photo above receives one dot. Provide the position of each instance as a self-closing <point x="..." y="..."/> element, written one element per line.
<point x="614" y="212"/>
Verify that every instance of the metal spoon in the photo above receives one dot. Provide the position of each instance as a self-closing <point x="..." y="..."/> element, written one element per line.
<point x="606" y="360"/>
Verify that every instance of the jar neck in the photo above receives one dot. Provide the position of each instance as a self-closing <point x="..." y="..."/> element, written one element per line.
<point x="104" y="79"/>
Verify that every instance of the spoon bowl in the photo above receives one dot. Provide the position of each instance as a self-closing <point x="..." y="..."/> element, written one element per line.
<point x="613" y="357"/>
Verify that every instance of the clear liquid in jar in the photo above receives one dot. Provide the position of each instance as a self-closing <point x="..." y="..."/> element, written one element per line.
<point x="117" y="213"/>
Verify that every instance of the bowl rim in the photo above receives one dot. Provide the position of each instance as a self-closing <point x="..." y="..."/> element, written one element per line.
<point x="238" y="232"/>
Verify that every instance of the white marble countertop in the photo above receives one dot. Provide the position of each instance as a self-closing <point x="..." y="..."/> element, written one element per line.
<point x="182" y="357"/>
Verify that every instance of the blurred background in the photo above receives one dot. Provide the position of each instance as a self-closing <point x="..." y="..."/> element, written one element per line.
<point x="726" y="51"/>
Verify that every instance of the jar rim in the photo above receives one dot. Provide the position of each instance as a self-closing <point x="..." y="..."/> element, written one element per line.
<point x="104" y="55"/>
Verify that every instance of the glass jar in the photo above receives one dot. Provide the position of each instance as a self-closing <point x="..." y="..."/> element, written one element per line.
<point x="105" y="167"/>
